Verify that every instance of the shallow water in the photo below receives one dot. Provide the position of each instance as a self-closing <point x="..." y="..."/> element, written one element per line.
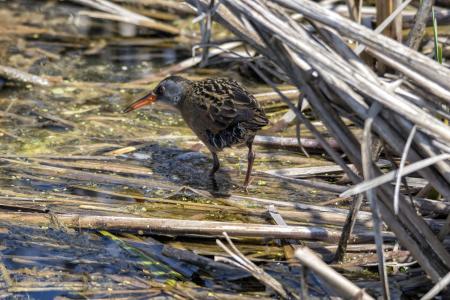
<point x="82" y="115"/>
<point x="69" y="148"/>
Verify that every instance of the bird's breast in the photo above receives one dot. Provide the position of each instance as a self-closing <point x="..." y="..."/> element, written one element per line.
<point x="196" y="121"/>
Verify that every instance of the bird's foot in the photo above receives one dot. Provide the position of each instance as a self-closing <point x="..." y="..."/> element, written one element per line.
<point x="245" y="186"/>
<point x="242" y="188"/>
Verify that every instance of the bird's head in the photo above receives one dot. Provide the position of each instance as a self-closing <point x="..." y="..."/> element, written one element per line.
<point x="170" y="90"/>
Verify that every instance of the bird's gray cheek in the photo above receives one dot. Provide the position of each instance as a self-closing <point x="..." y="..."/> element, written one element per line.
<point x="163" y="99"/>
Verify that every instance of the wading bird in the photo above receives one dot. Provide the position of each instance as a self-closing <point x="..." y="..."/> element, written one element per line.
<point x="220" y="112"/>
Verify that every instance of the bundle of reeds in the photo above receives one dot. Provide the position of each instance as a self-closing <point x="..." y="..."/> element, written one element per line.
<point x="405" y="109"/>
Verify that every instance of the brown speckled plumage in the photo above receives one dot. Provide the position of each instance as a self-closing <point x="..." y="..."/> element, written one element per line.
<point x="220" y="112"/>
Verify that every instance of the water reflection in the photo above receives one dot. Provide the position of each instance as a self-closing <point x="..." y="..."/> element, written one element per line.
<point x="82" y="116"/>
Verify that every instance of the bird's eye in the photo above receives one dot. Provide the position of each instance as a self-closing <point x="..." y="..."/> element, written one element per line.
<point x="160" y="90"/>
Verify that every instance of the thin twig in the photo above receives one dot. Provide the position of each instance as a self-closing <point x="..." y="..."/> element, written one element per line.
<point x="385" y="23"/>
<point x="364" y="186"/>
<point x="246" y="264"/>
<point x="368" y="171"/>
<point x="401" y="166"/>
<point x="298" y="124"/>
<point x="442" y="284"/>
<point x="348" y="228"/>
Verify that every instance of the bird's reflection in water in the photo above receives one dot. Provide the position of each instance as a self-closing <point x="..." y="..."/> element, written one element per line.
<point x="186" y="168"/>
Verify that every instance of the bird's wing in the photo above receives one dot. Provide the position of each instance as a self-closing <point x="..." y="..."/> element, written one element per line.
<point x="226" y="103"/>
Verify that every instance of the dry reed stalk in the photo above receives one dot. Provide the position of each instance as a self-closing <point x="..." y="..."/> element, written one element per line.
<point x="179" y="227"/>
<point x="417" y="32"/>
<point x="342" y="286"/>
<point x="267" y="140"/>
<point x="175" y="6"/>
<point x="119" y="13"/>
<point x="354" y="9"/>
<point x="368" y="172"/>
<point x="21" y="76"/>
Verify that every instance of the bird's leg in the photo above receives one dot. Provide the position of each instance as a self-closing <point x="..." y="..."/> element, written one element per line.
<point x="216" y="166"/>
<point x="251" y="158"/>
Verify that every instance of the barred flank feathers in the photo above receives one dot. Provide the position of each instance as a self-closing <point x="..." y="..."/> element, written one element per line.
<point x="228" y="137"/>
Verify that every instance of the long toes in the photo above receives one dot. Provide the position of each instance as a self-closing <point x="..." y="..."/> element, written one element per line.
<point x="241" y="188"/>
<point x="247" y="184"/>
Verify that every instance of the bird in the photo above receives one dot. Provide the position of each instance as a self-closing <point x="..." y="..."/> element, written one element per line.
<point x="220" y="111"/>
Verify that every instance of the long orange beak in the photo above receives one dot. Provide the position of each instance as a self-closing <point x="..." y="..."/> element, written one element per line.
<point x="146" y="100"/>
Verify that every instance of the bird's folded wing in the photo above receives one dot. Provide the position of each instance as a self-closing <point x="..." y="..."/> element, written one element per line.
<point x="226" y="103"/>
